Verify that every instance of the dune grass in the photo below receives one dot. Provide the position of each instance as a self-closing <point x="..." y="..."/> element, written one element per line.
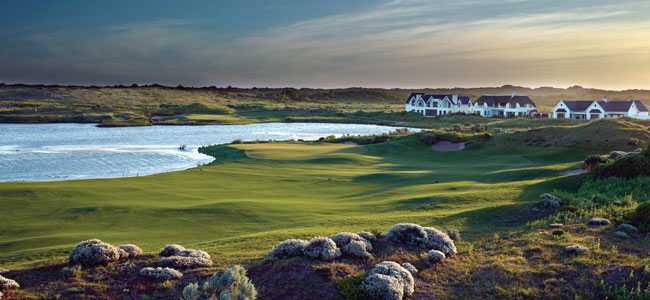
<point x="257" y="194"/>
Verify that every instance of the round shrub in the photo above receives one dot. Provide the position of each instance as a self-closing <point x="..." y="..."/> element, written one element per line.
<point x="94" y="253"/>
<point x="393" y="269"/>
<point x="185" y="262"/>
<point x="322" y="248"/>
<point x="8" y="284"/>
<point x="439" y="240"/>
<point x="382" y="287"/>
<point x="407" y="234"/>
<point x="130" y="250"/>
<point x="422" y="237"/>
<point x="357" y="249"/>
<point x="194" y="253"/>
<point x="171" y="250"/>
<point x="410" y="267"/>
<point x="231" y="285"/>
<point x="436" y="256"/>
<point x="288" y="248"/>
<point x="352" y="244"/>
<point x="368" y="236"/>
<point x="160" y="274"/>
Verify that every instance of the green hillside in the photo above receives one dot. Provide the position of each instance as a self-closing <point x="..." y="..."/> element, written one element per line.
<point x="257" y="194"/>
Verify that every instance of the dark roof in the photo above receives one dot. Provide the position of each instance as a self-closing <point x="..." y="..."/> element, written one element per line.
<point x="502" y="100"/>
<point x="578" y="105"/>
<point x="440" y="96"/>
<point x="615" y="106"/>
<point x="413" y="94"/>
<point x="463" y="99"/>
<point x="640" y="105"/>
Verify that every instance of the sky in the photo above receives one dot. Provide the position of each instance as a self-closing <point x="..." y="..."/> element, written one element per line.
<point x="334" y="43"/>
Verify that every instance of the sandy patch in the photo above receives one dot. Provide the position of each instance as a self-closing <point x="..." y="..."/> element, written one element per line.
<point x="446" y="146"/>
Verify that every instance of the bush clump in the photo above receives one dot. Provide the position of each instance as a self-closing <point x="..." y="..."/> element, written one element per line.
<point x="627" y="166"/>
<point x="178" y="257"/>
<point x="94" y="253"/>
<point x="353" y="244"/>
<point x="287" y="249"/>
<point x="322" y="248"/>
<point x="171" y="250"/>
<point x="130" y="251"/>
<point x="231" y="285"/>
<point x="160" y="274"/>
<point x="185" y="262"/>
<point x="388" y="280"/>
<point x="422" y="237"/>
<point x="8" y="284"/>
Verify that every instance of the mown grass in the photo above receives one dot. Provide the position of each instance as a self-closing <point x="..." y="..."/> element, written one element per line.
<point x="257" y="194"/>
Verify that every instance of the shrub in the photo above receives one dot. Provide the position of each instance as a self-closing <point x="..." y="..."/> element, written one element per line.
<point x="436" y="256"/>
<point x="185" y="262"/>
<point x="160" y="274"/>
<point x="410" y="267"/>
<point x="231" y="285"/>
<point x="8" y="284"/>
<point x="322" y="248"/>
<point x="287" y="249"/>
<point x="439" y="240"/>
<point x="382" y="287"/>
<point x="171" y="250"/>
<point x="629" y="166"/>
<point x="368" y="236"/>
<point x="94" y="253"/>
<point x="388" y="280"/>
<point x="422" y="237"/>
<point x="130" y="250"/>
<point x="191" y="292"/>
<point x="352" y="244"/>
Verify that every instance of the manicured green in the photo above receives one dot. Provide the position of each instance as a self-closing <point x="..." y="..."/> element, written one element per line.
<point x="255" y="195"/>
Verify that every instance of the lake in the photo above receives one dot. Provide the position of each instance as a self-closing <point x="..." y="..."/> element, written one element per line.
<point x="49" y="152"/>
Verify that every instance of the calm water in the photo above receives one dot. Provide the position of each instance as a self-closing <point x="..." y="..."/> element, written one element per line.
<point x="45" y="152"/>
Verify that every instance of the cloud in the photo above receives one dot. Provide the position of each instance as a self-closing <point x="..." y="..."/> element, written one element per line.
<point x="407" y="43"/>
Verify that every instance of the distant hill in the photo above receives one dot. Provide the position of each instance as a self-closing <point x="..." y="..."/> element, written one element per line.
<point x="41" y="103"/>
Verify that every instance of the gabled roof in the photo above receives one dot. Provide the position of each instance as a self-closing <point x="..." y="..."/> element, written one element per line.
<point x="640" y="105"/>
<point x="502" y="100"/>
<point x="615" y="106"/>
<point x="412" y="95"/>
<point x="463" y="99"/>
<point x="578" y="105"/>
<point x="440" y="96"/>
<point x="608" y="106"/>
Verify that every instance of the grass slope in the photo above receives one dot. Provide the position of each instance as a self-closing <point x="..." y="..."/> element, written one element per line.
<point x="258" y="194"/>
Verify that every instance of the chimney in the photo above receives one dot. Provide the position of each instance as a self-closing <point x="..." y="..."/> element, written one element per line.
<point x="605" y="99"/>
<point x="514" y="93"/>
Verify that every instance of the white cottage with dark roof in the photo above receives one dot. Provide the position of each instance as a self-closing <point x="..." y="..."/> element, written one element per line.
<point x="598" y="109"/>
<point x="437" y="105"/>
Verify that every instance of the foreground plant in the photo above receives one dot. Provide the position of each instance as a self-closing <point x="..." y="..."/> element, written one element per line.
<point x="231" y="285"/>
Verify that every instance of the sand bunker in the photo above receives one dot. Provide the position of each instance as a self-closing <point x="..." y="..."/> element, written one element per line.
<point x="446" y="146"/>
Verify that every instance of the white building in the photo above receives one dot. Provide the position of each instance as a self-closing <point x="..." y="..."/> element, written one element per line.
<point x="592" y="109"/>
<point x="504" y="106"/>
<point x="437" y="105"/>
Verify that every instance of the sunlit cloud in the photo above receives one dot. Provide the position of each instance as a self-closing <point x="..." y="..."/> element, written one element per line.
<point x="405" y="43"/>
